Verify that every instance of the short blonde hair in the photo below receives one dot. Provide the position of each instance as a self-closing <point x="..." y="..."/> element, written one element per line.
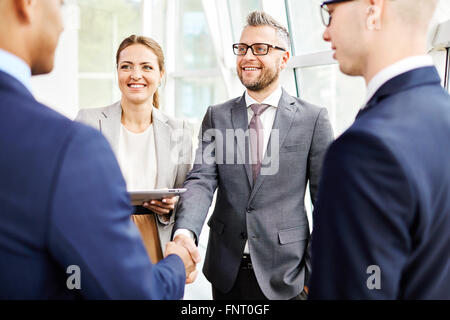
<point x="415" y="13"/>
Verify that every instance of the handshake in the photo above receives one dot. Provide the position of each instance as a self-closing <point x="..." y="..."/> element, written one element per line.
<point x="185" y="248"/>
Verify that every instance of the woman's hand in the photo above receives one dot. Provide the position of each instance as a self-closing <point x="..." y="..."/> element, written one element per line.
<point x="161" y="207"/>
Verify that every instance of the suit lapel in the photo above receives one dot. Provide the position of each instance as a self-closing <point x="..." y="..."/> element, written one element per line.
<point x="282" y="124"/>
<point x="402" y="82"/>
<point x="239" y="118"/>
<point x="162" y="133"/>
<point x="110" y="125"/>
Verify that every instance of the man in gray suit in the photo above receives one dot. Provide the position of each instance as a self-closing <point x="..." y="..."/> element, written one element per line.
<point x="259" y="234"/>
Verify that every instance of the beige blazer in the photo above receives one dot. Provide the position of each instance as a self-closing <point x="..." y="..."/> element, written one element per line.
<point x="173" y="142"/>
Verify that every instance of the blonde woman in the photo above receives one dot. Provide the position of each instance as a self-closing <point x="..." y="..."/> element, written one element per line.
<point x="153" y="149"/>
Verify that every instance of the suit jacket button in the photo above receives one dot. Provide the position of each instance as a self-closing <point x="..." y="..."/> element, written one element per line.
<point x="250" y="209"/>
<point x="243" y="235"/>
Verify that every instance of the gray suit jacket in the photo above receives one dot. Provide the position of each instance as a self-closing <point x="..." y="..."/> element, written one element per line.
<point x="271" y="213"/>
<point x="173" y="144"/>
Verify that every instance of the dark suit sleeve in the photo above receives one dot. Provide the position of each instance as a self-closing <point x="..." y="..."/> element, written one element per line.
<point x="361" y="219"/>
<point x="90" y="227"/>
<point x="201" y="182"/>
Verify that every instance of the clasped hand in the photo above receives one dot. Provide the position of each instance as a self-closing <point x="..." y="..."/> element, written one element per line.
<point x="185" y="248"/>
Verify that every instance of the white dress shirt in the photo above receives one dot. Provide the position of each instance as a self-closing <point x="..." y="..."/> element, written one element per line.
<point x="267" y="118"/>
<point x="137" y="158"/>
<point x="394" y="70"/>
<point x="15" y="67"/>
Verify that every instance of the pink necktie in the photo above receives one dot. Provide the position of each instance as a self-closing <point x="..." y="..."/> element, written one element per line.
<point x="256" y="138"/>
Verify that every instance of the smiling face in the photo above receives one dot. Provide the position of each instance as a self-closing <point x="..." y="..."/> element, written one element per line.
<point x="258" y="73"/>
<point x="139" y="74"/>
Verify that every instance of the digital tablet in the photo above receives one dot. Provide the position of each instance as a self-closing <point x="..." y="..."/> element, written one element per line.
<point x="138" y="197"/>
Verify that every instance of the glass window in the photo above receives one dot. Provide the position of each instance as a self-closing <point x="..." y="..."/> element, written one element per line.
<point x="307" y="27"/>
<point x="195" y="95"/>
<point x="95" y="92"/>
<point x="448" y="70"/>
<point x="103" y="25"/>
<point x="443" y="11"/>
<point x="154" y="21"/>
<point x="440" y="61"/>
<point x="194" y="91"/>
<point x="194" y="45"/>
<point x="440" y="57"/>
<point x="238" y="14"/>
<point x="342" y="95"/>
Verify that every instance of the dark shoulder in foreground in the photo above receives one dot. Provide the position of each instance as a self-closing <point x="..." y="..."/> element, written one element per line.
<point x="26" y="118"/>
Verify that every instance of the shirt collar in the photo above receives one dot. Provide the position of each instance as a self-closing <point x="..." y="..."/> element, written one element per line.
<point x="394" y="70"/>
<point x="272" y="100"/>
<point x="15" y="67"/>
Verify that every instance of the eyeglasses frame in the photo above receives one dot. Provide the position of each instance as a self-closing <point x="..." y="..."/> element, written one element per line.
<point x="323" y="8"/>
<point x="257" y="54"/>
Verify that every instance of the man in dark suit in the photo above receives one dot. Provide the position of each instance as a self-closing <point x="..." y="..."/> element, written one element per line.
<point x="65" y="228"/>
<point x="259" y="230"/>
<point x="382" y="221"/>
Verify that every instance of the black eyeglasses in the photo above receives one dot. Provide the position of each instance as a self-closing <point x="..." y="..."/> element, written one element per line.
<point x="325" y="13"/>
<point x="258" y="49"/>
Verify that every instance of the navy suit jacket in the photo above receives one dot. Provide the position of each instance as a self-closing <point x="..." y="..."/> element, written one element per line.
<point x="63" y="202"/>
<point x="384" y="198"/>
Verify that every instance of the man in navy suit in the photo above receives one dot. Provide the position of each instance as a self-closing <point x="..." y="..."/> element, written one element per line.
<point x="382" y="220"/>
<point x="65" y="228"/>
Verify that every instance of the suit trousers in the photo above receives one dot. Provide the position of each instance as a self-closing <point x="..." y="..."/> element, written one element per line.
<point x="245" y="287"/>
